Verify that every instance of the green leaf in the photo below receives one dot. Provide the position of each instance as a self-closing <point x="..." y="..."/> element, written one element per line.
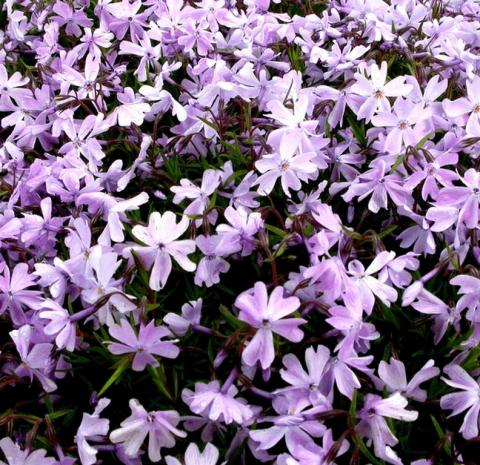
<point x="60" y="413"/>
<point x="159" y="378"/>
<point x="116" y="376"/>
<point x="353" y="406"/>
<point x="231" y="320"/>
<point x="358" y="130"/>
<point x="388" y="231"/>
<point x="275" y="230"/>
<point x="364" y="450"/>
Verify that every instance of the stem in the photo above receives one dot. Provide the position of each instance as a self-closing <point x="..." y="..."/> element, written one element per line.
<point x="230" y="380"/>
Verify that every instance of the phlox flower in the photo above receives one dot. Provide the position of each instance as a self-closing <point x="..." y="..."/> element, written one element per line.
<point x="310" y="383"/>
<point x="60" y="325"/>
<point x="470" y="295"/>
<point x="468" y="398"/>
<point x="366" y="286"/>
<point x="468" y="106"/>
<point x="287" y="164"/>
<point x="381" y="185"/>
<point x="16" y="456"/>
<point x="376" y="90"/>
<point x="374" y="427"/>
<point x="394" y="376"/>
<point x="144" y="346"/>
<point x="35" y="358"/>
<point x="160" y="237"/>
<point x="212" y="264"/>
<point x="294" y="126"/>
<point x="266" y="314"/>
<point x="217" y="402"/>
<point x="159" y="426"/>
<point x="14" y="292"/>
<point x="92" y="428"/>
<point x="193" y="456"/>
<point x="295" y="422"/>
<point x="443" y="315"/>
<point x="132" y="109"/>
<point x="404" y="123"/>
<point x="466" y="198"/>
<point x="238" y="235"/>
<point x="190" y="315"/>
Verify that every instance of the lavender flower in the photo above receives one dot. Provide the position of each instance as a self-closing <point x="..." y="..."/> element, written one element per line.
<point x="266" y="315"/>
<point x="467" y="399"/>
<point x="15" y="455"/>
<point x="145" y="345"/>
<point x="160" y="426"/>
<point x="193" y="456"/>
<point x="160" y="237"/>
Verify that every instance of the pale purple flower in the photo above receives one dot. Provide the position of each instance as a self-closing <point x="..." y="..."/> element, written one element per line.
<point x="94" y="41"/>
<point x="92" y="429"/>
<point x="195" y="35"/>
<point x="312" y="454"/>
<point x="349" y="321"/>
<point x="149" y="55"/>
<point x="37" y="229"/>
<point x="467" y="198"/>
<point x="83" y="141"/>
<point x="131" y="110"/>
<point x="470" y="295"/>
<point x="98" y="282"/>
<point x="35" y="358"/>
<point x="71" y="18"/>
<point x="295" y="127"/>
<point x="12" y="87"/>
<point x="468" y="398"/>
<point x="340" y="372"/>
<point x="267" y="315"/>
<point x="239" y="234"/>
<point x="60" y="325"/>
<point x="404" y="123"/>
<point x="190" y="315"/>
<point x="432" y="173"/>
<point x="376" y="90"/>
<point x="310" y="383"/>
<point x="200" y="196"/>
<point x="86" y="82"/>
<point x="160" y="237"/>
<point x="193" y="456"/>
<point x="160" y="426"/>
<point x="366" y="286"/>
<point x="374" y="427"/>
<point x="287" y="163"/>
<point x="380" y="185"/>
<point x="469" y="105"/>
<point x="295" y="422"/>
<point x="144" y="346"/>
<point x="126" y="17"/>
<point x="212" y="264"/>
<point x="395" y="378"/>
<point x="218" y="403"/>
<point x="16" y="456"/>
<point x="15" y="295"/>
<point x="443" y="315"/>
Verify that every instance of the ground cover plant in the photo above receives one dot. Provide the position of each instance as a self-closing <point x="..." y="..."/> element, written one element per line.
<point x="239" y="232"/>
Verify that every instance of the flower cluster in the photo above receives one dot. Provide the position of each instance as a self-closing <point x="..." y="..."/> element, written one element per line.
<point x="240" y="232"/>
